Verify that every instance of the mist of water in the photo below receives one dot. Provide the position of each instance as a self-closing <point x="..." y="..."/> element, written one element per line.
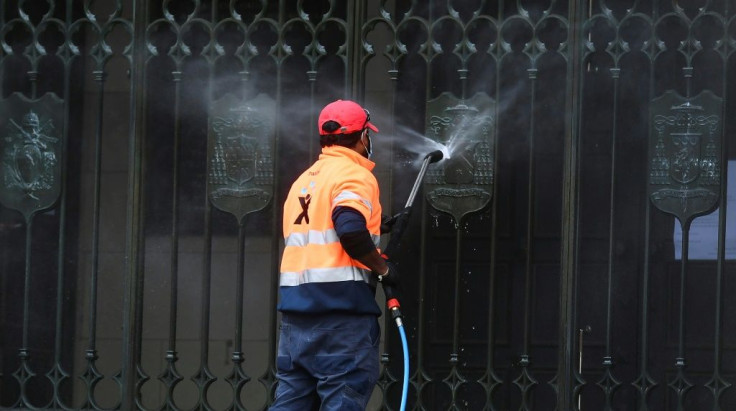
<point x="417" y="143"/>
<point x="412" y="141"/>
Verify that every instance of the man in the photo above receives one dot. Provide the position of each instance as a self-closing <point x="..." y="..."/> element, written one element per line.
<point x="328" y="346"/>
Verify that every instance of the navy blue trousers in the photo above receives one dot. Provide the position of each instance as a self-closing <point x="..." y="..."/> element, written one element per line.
<point x="326" y="362"/>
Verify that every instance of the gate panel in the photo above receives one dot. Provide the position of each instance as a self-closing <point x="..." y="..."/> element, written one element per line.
<point x="649" y="317"/>
<point x="485" y="280"/>
<point x="547" y="267"/>
<point x="196" y="299"/>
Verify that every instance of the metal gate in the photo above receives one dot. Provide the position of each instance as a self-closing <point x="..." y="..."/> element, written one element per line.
<point x="575" y="251"/>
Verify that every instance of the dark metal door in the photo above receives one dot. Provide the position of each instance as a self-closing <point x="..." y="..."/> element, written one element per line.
<point x="574" y="251"/>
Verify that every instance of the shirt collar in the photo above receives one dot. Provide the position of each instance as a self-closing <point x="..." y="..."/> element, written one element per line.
<point x="340" y="151"/>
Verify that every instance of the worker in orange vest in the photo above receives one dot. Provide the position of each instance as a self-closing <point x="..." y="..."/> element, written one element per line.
<point x="328" y="346"/>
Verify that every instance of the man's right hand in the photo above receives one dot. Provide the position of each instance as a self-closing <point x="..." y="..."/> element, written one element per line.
<point x="387" y="223"/>
<point x="390" y="278"/>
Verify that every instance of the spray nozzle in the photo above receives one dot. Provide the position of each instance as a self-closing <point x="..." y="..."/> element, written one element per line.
<point x="434" y="156"/>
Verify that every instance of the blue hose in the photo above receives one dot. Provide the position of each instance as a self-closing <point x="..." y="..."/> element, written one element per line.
<point x="405" y="346"/>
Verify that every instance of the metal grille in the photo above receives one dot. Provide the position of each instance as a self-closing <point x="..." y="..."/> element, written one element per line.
<point x="572" y="253"/>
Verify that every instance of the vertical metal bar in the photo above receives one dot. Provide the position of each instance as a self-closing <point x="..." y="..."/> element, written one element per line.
<point x="580" y="360"/>
<point x="312" y="77"/>
<point x="268" y="379"/>
<point x="526" y="381"/>
<point x="577" y="383"/>
<point x="24" y="372"/>
<point x="393" y="75"/>
<point x="353" y="79"/>
<point x="565" y="359"/>
<point x="644" y="382"/>
<point x="171" y="376"/>
<point x="611" y="218"/>
<point x="427" y="93"/>
<point x="590" y="33"/>
<point x="531" y="198"/>
<point x="238" y="378"/>
<point x="455" y="379"/>
<point x="204" y="377"/>
<point x="141" y="376"/>
<point x="421" y="378"/>
<point x="92" y="376"/>
<point x="134" y="277"/>
<point x="33" y="72"/>
<point x="609" y="383"/>
<point x="680" y="384"/>
<point x="717" y="384"/>
<point x="2" y="58"/>
<point x="57" y="375"/>
<point x="354" y="73"/>
<point x="490" y="380"/>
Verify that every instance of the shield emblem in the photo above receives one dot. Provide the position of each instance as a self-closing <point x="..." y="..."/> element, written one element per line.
<point x="685" y="157"/>
<point x="30" y="150"/>
<point x="240" y="150"/>
<point x="27" y="166"/>
<point x="685" y="154"/>
<point x="462" y="183"/>
<point x="240" y="161"/>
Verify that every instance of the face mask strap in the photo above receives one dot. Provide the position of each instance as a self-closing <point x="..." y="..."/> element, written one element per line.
<point x="369" y="147"/>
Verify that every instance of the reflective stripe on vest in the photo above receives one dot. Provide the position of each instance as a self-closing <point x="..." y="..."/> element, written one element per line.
<point x="318" y="237"/>
<point x="324" y="275"/>
<point x="349" y="195"/>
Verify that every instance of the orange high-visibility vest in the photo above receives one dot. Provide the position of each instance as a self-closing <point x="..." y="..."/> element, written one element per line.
<point x="313" y="253"/>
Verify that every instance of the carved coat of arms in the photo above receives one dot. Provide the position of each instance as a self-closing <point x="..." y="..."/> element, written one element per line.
<point x="30" y="149"/>
<point x="685" y="154"/>
<point x="240" y="154"/>
<point x="462" y="183"/>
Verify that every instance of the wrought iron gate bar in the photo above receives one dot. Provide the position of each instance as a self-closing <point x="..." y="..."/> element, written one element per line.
<point x="170" y="376"/>
<point x="396" y="54"/>
<point x="268" y="379"/>
<point x="420" y="378"/>
<point x="24" y="373"/>
<point x="717" y="384"/>
<point x="238" y="378"/>
<point x="455" y="379"/>
<point x="490" y="381"/>
<point x="680" y="384"/>
<point x="526" y="381"/>
<point x="645" y="382"/>
<point x="608" y="382"/>
<point x="57" y="374"/>
<point x="92" y="376"/>
<point x="567" y="380"/>
<point x="132" y="376"/>
<point x="204" y="376"/>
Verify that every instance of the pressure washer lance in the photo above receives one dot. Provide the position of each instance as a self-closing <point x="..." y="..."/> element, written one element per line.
<point x="392" y="301"/>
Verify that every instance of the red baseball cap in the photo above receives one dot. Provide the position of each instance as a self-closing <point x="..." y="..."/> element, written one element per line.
<point x="348" y="114"/>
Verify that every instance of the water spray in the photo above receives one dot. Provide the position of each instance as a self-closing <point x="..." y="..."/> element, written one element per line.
<point x="418" y="143"/>
<point x="392" y="301"/>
